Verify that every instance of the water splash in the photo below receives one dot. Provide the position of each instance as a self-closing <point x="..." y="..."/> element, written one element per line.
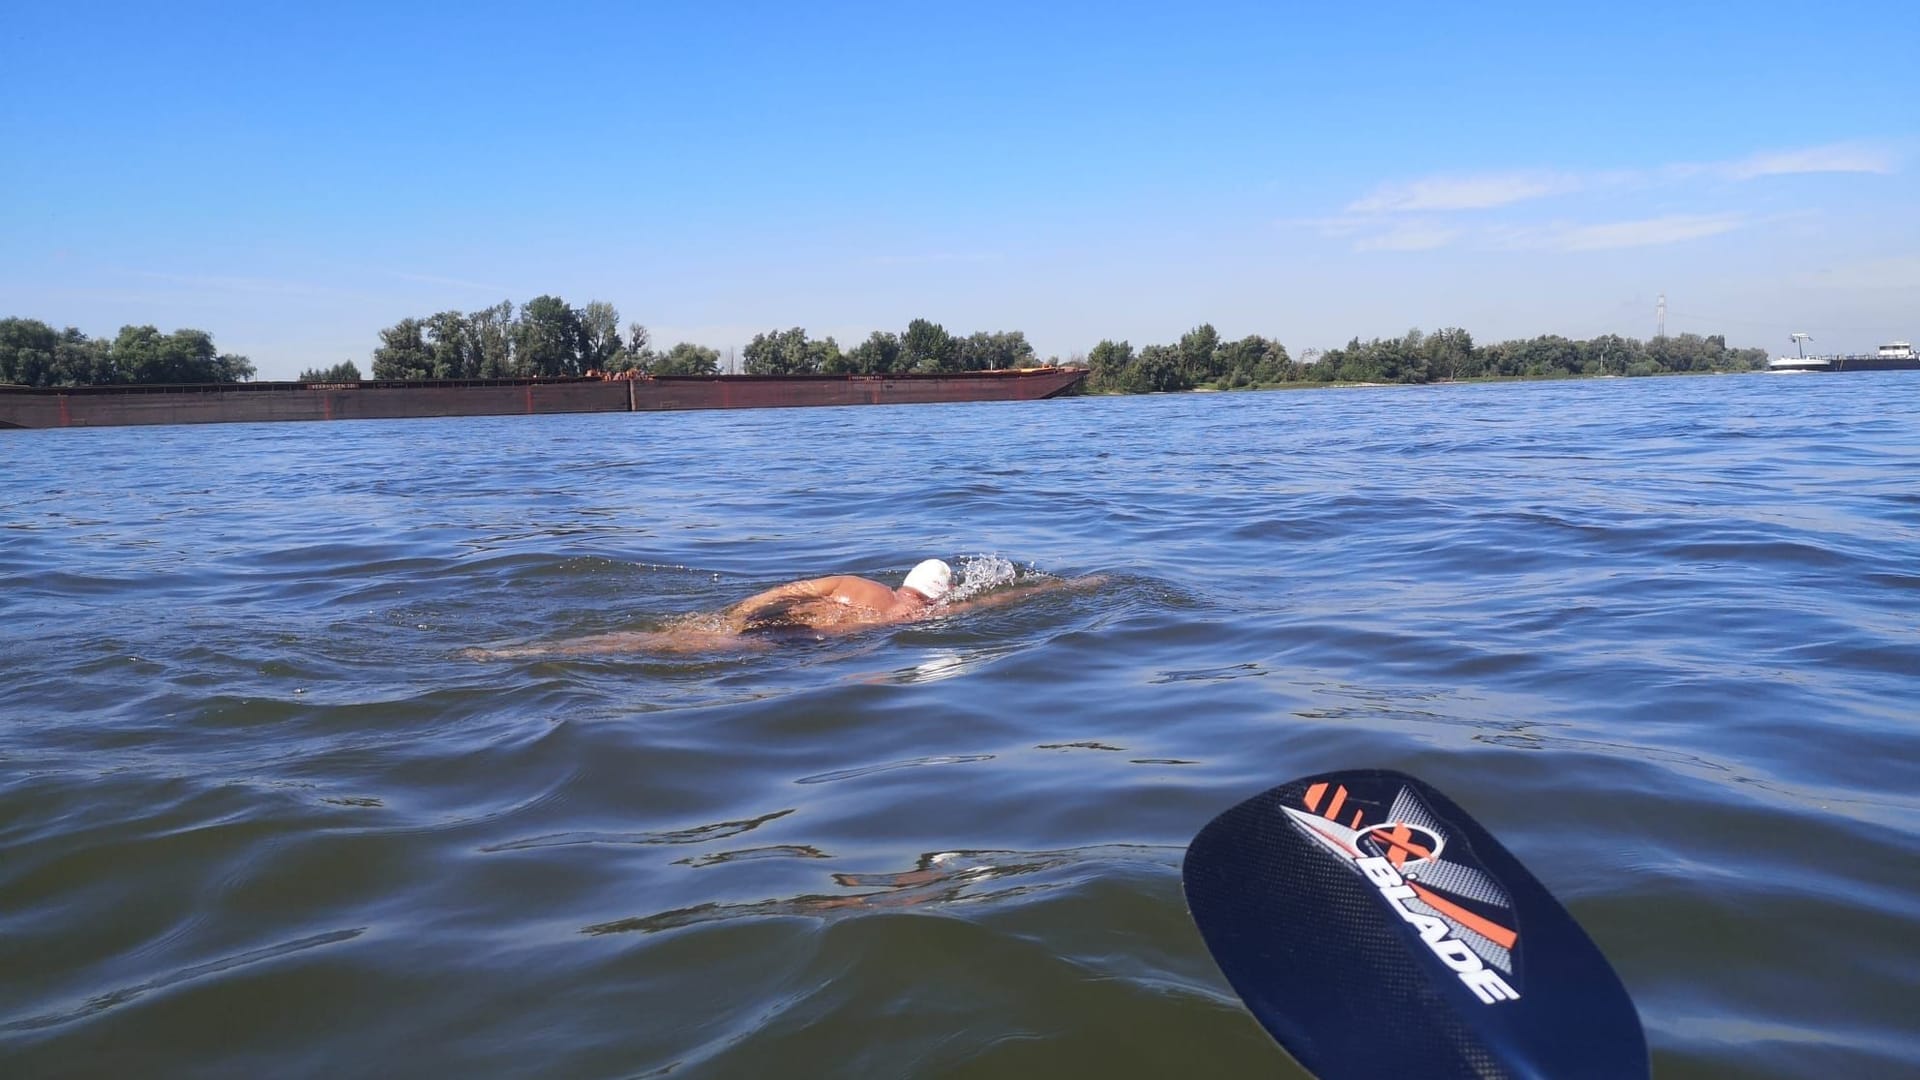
<point x="979" y="573"/>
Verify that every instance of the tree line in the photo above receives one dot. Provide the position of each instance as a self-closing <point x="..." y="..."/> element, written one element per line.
<point x="549" y="337"/>
<point x="544" y="337"/>
<point x="924" y="347"/>
<point x="35" y="354"/>
<point x="1201" y="359"/>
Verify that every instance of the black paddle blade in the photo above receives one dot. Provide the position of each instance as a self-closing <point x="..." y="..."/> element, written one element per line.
<point x="1376" y="930"/>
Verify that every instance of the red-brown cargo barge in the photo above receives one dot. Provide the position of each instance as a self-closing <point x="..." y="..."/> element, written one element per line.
<point x="103" y="406"/>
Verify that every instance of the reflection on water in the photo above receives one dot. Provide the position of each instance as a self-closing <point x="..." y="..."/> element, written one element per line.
<point x="869" y="770"/>
<point x="777" y="851"/>
<point x="126" y="994"/>
<point x="699" y="834"/>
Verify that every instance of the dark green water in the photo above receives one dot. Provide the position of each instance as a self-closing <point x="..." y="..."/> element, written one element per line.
<point x="257" y="818"/>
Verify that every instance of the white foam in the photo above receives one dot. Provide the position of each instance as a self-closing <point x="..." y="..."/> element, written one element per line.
<point x="979" y="573"/>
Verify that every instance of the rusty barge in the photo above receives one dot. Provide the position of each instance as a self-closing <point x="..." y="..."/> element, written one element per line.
<point x="105" y="406"/>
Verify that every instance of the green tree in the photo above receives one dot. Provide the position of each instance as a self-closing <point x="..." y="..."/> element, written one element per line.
<point x="232" y="367"/>
<point x="782" y="352"/>
<point x="403" y="352"/>
<point x="27" y="352"/>
<point x="599" y="335"/>
<point x="1198" y="349"/>
<point x="1253" y="361"/>
<point x="345" y="371"/>
<point x="997" y="351"/>
<point x="688" y="359"/>
<point x="1499" y="358"/>
<point x="548" y="339"/>
<point x="926" y="346"/>
<point x="450" y="346"/>
<point x="34" y="354"/>
<point x="1108" y="365"/>
<point x="878" y="355"/>
<point x="146" y="355"/>
<point x="490" y="338"/>
<point x="1353" y="362"/>
<point x="1688" y="352"/>
<point x="1159" y="368"/>
<point x="637" y="354"/>
<point x="1405" y="360"/>
<point x="1449" y="354"/>
<point x="824" y="355"/>
<point x="1609" y="354"/>
<point x="83" y="361"/>
<point x="1548" y="354"/>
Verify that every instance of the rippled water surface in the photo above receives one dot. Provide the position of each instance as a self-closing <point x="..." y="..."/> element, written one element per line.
<point x="259" y="817"/>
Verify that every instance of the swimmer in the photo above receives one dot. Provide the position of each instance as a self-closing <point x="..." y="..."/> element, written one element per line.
<point x="814" y="607"/>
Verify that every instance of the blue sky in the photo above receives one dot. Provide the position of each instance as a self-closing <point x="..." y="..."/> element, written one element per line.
<point x="293" y="178"/>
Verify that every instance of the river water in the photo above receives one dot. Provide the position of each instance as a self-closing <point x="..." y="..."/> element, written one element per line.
<point x="259" y="817"/>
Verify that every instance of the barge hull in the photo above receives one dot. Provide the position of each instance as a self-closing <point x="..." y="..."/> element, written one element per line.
<point x="108" y="406"/>
<point x="781" y="391"/>
<point x="1874" y="363"/>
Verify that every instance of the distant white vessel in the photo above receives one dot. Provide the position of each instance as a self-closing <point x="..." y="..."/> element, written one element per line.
<point x="1893" y="356"/>
<point x="1799" y="363"/>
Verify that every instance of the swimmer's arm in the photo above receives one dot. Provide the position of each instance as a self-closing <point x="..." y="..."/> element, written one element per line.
<point x="618" y="642"/>
<point x="810" y="589"/>
<point x="1000" y="597"/>
<point x="676" y="641"/>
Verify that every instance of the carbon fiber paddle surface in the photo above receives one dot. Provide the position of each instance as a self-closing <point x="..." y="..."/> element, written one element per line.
<point x="1375" y="930"/>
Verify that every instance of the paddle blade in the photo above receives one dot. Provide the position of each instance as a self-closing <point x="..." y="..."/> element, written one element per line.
<point x="1375" y="930"/>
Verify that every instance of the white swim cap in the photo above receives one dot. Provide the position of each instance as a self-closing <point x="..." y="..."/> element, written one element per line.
<point x="930" y="579"/>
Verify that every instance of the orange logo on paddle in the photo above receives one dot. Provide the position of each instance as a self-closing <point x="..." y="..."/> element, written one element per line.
<point x="1399" y="842"/>
<point x="1459" y="911"/>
